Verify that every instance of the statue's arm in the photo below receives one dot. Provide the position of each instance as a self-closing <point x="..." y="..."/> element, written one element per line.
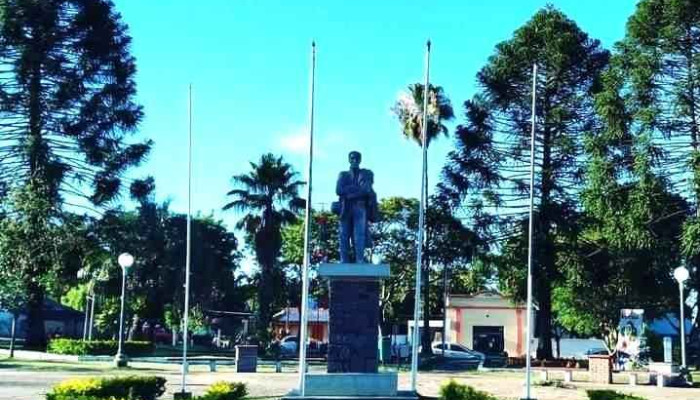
<point x="343" y="189"/>
<point x="367" y="182"/>
<point x="339" y="185"/>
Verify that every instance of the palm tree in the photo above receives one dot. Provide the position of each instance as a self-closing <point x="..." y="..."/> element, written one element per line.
<point x="269" y="197"/>
<point x="409" y="111"/>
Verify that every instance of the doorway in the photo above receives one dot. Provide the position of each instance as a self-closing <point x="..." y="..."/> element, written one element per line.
<point x="488" y="339"/>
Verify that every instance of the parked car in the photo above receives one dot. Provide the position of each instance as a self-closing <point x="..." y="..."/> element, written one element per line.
<point x="459" y="355"/>
<point x="596" y="351"/>
<point x="289" y="347"/>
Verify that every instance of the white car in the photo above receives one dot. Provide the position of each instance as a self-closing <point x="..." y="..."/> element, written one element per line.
<point x="458" y="352"/>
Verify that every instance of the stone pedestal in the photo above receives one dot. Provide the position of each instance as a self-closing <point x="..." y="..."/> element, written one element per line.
<point x="353" y="326"/>
<point x="600" y="368"/>
<point x="246" y="358"/>
<point x="353" y="316"/>
<point x="353" y="353"/>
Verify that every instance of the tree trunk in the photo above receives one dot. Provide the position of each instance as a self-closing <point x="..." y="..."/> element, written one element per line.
<point x="268" y="243"/>
<point x="264" y="301"/>
<point x="544" y="321"/>
<point x="36" y="332"/>
<point x="13" y="335"/>
<point x="133" y="333"/>
<point x="36" y="335"/>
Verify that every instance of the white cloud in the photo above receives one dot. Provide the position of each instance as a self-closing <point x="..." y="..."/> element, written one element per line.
<point x="296" y="142"/>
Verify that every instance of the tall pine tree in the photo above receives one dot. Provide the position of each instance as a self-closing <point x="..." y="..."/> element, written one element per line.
<point x="488" y="172"/>
<point x="659" y="61"/>
<point x="66" y="105"/>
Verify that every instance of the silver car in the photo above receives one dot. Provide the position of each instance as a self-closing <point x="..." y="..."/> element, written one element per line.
<point x="459" y="352"/>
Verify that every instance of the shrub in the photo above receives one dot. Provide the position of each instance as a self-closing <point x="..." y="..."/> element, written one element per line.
<point x="456" y="391"/>
<point x="611" y="395"/>
<point x="124" y="387"/>
<point x="225" y="391"/>
<point x="98" y="347"/>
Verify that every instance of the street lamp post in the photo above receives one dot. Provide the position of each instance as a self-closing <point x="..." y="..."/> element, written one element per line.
<point x="681" y="275"/>
<point x="81" y="275"/>
<point x="125" y="260"/>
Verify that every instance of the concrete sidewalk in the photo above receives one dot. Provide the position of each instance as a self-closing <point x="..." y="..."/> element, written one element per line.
<point x="16" y="384"/>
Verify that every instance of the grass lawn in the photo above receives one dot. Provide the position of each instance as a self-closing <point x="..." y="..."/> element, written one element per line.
<point x="63" y="366"/>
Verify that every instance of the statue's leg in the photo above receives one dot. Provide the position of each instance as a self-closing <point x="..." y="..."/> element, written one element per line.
<point x="345" y="232"/>
<point x="360" y="232"/>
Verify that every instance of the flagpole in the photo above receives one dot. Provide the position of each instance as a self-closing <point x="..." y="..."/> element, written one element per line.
<point x="421" y="223"/>
<point x="530" y="233"/>
<point x="188" y="256"/>
<point x="307" y="230"/>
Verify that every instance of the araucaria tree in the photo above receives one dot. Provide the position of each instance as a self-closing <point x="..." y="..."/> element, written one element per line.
<point x="659" y="70"/>
<point x="488" y="172"/>
<point x="269" y="197"/>
<point x="66" y="106"/>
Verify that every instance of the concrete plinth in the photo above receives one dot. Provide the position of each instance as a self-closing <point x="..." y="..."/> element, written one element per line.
<point x="352" y="384"/>
<point x="400" y="395"/>
<point x="353" y="316"/>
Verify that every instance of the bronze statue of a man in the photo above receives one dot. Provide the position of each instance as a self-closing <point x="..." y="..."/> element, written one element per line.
<point x="356" y="208"/>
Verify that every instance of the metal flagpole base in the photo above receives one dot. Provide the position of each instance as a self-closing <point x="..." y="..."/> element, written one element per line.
<point x="121" y="361"/>
<point x="182" y="395"/>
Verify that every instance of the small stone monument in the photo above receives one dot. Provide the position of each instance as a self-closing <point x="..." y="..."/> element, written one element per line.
<point x="354" y="317"/>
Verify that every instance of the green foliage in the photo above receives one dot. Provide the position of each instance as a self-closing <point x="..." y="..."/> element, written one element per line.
<point x="98" y="347"/>
<point x="70" y="91"/>
<point x="75" y="297"/>
<point x="394" y="239"/>
<point x="107" y="316"/>
<point x="157" y="237"/>
<point x="655" y="345"/>
<point x="269" y="198"/>
<point x="610" y="395"/>
<point x="487" y="174"/>
<point x="456" y="391"/>
<point x="124" y="387"/>
<point x="628" y="242"/>
<point x="68" y="86"/>
<point x="409" y="111"/>
<point x="324" y="247"/>
<point x="13" y="294"/>
<point x="452" y="246"/>
<point x="225" y="391"/>
<point x="658" y="63"/>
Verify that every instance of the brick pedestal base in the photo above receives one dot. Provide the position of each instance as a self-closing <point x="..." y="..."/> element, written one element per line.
<point x="600" y="368"/>
<point x="353" y="326"/>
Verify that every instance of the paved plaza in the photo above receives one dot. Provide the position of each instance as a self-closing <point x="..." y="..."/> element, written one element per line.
<point x="29" y="381"/>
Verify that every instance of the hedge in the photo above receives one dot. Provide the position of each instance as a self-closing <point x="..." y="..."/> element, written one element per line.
<point x="456" y="391"/>
<point x="225" y="391"/>
<point x="124" y="387"/>
<point x="610" y="395"/>
<point x="98" y="347"/>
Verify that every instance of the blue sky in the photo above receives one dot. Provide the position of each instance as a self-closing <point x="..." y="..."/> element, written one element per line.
<point x="248" y="62"/>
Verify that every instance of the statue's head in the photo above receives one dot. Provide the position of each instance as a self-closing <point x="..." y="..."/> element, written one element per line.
<point x="355" y="158"/>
